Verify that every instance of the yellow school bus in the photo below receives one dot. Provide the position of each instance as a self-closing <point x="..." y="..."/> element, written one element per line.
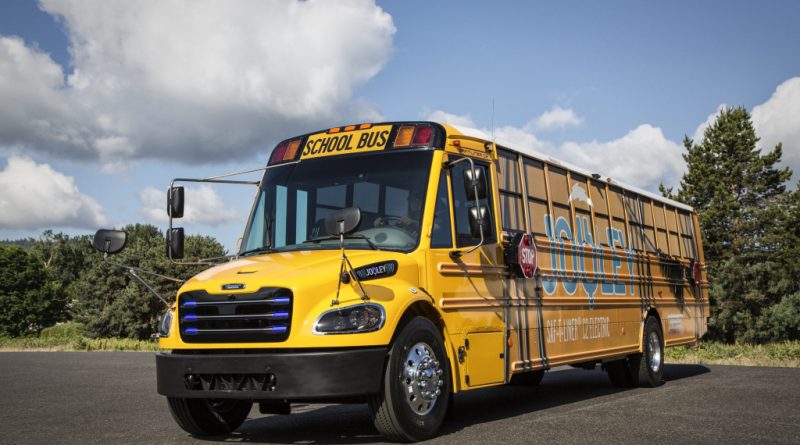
<point x="400" y="263"/>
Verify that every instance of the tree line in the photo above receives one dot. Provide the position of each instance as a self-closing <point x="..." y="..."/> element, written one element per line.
<point x="749" y="219"/>
<point x="60" y="278"/>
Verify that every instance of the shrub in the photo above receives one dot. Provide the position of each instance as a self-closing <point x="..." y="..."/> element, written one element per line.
<point x="782" y="321"/>
<point x="63" y="331"/>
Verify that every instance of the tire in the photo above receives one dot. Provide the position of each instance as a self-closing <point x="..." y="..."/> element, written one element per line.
<point x="413" y="400"/>
<point x="530" y="378"/>
<point x="619" y="373"/>
<point x="648" y="367"/>
<point x="645" y="369"/>
<point x="207" y="417"/>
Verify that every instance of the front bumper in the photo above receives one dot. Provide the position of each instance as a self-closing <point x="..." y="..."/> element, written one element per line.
<point x="292" y="376"/>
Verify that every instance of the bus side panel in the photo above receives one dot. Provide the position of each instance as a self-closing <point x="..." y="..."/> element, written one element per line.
<point x="606" y="256"/>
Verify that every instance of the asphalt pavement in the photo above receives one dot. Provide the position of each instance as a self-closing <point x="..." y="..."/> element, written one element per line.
<point x="110" y="398"/>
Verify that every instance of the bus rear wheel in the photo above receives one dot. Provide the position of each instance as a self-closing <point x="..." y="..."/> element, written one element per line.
<point x="208" y="417"/>
<point x="645" y="369"/>
<point x="412" y="403"/>
<point x="649" y="366"/>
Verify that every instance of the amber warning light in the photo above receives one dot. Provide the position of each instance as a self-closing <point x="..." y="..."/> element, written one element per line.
<point x="413" y="136"/>
<point x="285" y="151"/>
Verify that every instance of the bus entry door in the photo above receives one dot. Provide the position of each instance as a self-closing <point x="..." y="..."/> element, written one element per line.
<point x="469" y="287"/>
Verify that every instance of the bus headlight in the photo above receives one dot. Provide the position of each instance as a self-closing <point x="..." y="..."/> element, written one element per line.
<point x="165" y="324"/>
<point x="350" y="320"/>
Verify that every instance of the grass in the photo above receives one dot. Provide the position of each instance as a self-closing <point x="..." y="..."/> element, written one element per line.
<point x="76" y="344"/>
<point x="786" y="354"/>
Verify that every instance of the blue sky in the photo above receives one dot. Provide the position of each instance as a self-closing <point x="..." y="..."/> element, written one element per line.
<point x="149" y="91"/>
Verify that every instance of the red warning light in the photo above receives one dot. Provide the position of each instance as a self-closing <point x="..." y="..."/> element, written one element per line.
<point x="422" y="135"/>
<point x="698" y="277"/>
<point x="278" y="152"/>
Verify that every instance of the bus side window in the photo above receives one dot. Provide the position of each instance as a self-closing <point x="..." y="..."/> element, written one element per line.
<point x="462" y="204"/>
<point x="442" y="235"/>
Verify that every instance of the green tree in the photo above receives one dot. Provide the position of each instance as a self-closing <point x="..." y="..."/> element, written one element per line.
<point x="65" y="258"/>
<point x="745" y="213"/>
<point x="111" y="303"/>
<point x="30" y="301"/>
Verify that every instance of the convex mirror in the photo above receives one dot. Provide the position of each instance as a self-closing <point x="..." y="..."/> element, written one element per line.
<point x="343" y="222"/>
<point x="110" y="241"/>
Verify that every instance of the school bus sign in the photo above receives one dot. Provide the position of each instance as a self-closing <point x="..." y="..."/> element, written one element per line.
<point x="347" y="142"/>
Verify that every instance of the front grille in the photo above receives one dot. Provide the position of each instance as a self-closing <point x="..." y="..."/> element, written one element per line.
<point x="261" y="316"/>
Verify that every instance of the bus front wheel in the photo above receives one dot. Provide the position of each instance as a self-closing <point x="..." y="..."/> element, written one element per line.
<point x="412" y="403"/>
<point x="208" y="417"/>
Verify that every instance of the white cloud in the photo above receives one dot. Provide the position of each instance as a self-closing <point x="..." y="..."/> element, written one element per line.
<point x="522" y="138"/>
<point x="778" y="120"/>
<point x="202" y="206"/>
<point x="621" y="159"/>
<point x="34" y="196"/>
<point x="643" y="157"/>
<point x="190" y="80"/>
<point x="449" y="118"/>
<point x="557" y="118"/>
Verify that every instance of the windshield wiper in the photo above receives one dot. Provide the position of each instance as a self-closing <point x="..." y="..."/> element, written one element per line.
<point x="353" y="236"/>
<point x="265" y="249"/>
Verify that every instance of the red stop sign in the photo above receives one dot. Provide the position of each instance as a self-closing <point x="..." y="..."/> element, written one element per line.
<point x="520" y="255"/>
<point x="526" y="255"/>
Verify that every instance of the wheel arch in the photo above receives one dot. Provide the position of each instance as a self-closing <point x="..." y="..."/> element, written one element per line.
<point x="650" y="312"/>
<point x="424" y="308"/>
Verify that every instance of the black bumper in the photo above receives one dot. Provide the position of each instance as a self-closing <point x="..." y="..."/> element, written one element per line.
<point x="295" y="376"/>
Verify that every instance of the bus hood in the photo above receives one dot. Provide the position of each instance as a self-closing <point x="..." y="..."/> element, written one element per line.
<point x="300" y="271"/>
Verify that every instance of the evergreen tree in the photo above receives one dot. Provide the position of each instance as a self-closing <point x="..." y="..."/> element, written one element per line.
<point x="745" y="213"/>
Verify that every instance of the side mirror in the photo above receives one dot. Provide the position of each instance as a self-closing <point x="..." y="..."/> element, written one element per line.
<point x="477" y="221"/>
<point x="175" y="202"/>
<point x="471" y="182"/>
<point x="175" y="243"/>
<point x="343" y="222"/>
<point x="109" y="241"/>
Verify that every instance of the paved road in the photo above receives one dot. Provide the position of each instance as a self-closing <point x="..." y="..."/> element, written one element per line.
<point x="95" y="397"/>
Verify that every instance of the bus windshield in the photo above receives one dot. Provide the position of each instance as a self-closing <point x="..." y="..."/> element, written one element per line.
<point x="389" y="188"/>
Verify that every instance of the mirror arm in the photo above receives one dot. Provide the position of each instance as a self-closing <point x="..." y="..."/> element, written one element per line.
<point x="133" y="271"/>
<point x="150" y="288"/>
<point x="447" y="165"/>
<point x="347" y="267"/>
<point x="140" y="270"/>
<point x="217" y="180"/>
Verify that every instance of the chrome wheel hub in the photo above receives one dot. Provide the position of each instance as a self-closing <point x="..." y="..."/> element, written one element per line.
<point x="422" y="378"/>
<point x="654" y="347"/>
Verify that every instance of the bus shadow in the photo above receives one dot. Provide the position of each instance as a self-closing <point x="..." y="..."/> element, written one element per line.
<point x="559" y="388"/>
<point x="352" y="424"/>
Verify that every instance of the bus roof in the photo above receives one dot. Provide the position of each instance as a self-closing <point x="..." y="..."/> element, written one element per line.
<point x="478" y="134"/>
